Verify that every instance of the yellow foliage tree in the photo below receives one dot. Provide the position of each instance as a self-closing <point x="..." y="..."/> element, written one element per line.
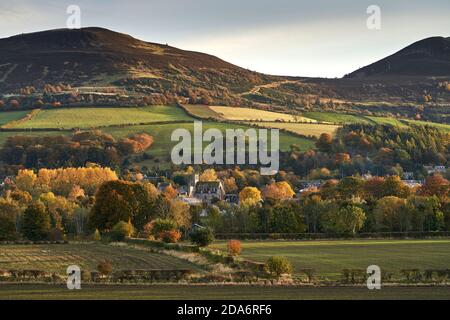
<point x="250" y="196"/>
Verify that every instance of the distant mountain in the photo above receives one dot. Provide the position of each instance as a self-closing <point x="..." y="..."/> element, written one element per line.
<point x="100" y="56"/>
<point x="428" y="57"/>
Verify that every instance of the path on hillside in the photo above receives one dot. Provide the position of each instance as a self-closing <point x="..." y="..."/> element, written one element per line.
<point x="271" y="85"/>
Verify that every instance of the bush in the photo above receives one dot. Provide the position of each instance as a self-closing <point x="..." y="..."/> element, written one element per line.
<point x="7" y="229"/>
<point x="97" y="236"/>
<point x="121" y="231"/>
<point x="234" y="248"/>
<point x="56" y="234"/>
<point x="162" y="225"/>
<point x="278" y="266"/>
<point x="36" y="222"/>
<point x="202" y="237"/>
<point x="171" y="236"/>
<point x="104" y="267"/>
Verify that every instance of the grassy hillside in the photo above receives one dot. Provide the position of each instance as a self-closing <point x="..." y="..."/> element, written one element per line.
<point x="330" y="257"/>
<point x="6" y="117"/>
<point x="332" y="117"/>
<point x="69" y="118"/>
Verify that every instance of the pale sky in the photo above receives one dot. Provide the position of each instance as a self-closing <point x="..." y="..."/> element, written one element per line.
<point x="326" y="38"/>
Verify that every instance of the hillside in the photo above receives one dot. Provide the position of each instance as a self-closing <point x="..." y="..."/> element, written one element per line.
<point x="427" y="57"/>
<point x="94" y="67"/>
<point x="96" y="57"/>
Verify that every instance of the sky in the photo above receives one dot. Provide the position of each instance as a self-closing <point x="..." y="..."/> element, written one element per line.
<point x="315" y="38"/>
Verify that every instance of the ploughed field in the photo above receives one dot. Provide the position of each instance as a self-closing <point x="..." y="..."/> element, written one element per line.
<point x="329" y="258"/>
<point x="57" y="257"/>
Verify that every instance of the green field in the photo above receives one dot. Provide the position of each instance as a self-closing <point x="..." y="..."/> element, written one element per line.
<point x="163" y="143"/>
<point x="305" y="129"/>
<point x="440" y="126"/>
<point x="6" y="117"/>
<point x="340" y="118"/>
<point x="68" y="118"/>
<point x="328" y="258"/>
<point x="56" y="258"/>
<point x="205" y="292"/>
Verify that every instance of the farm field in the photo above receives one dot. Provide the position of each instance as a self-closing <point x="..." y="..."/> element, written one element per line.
<point x="205" y="292"/>
<point x="162" y="134"/>
<point x="388" y="121"/>
<point x="9" y="116"/>
<point x="340" y="118"/>
<point x="202" y="111"/>
<point x="56" y="258"/>
<point x="68" y="118"/>
<point x="242" y="114"/>
<point x="328" y="258"/>
<point x="306" y="129"/>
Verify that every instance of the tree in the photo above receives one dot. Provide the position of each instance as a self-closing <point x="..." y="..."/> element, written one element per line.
<point x="36" y="222"/>
<point x="278" y="191"/>
<point x="389" y="214"/>
<point x="122" y="230"/>
<point x="7" y="229"/>
<point x="202" y="237"/>
<point x="234" y="248"/>
<point x="208" y="175"/>
<point x="435" y="185"/>
<point x="123" y="201"/>
<point x="350" y="187"/>
<point x="324" y="143"/>
<point x="348" y="219"/>
<point x="250" y="196"/>
<point x="277" y="266"/>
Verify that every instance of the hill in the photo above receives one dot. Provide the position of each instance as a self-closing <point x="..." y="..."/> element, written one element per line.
<point x="427" y="57"/>
<point x="97" y="56"/>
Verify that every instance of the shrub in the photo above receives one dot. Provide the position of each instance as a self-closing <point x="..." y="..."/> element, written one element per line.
<point x="202" y="237"/>
<point x="97" y="236"/>
<point x="104" y="267"/>
<point x="171" y="236"/>
<point x="234" y="248"/>
<point x="36" y="222"/>
<point x="7" y="229"/>
<point x="277" y="266"/>
<point x="56" y="234"/>
<point x="122" y="230"/>
<point x="162" y="225"/>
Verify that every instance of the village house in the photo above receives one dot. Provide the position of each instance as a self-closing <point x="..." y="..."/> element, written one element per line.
<point x="209" y="191"/>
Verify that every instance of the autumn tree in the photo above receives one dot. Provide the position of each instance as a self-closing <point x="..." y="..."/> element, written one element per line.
<point x="435" y="185"/>
<point x="36" y="222"/>
<point x="250" y="196"/>
<point x="208" y="175"/>
<point x="123" y="201"/>
<point x="278" y="191"/>
<point x="324" y="143"/>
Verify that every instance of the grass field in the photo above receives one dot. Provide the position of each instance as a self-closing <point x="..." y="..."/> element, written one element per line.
<point x="306" y="129"/>
<point x="205" y="292"/>
<point x="248" y="114"/>
<point x="9" y="116"/>
<point x="440" y="126"/>
<point x="241" y="114"/>
<point x="56" y="258"/>
<point x="68" y="118"/>
<point x="202" y="111"/>
<point x="340" y="118"/>
<point x="162" y="134"/>
<point x="328" y="258"/>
